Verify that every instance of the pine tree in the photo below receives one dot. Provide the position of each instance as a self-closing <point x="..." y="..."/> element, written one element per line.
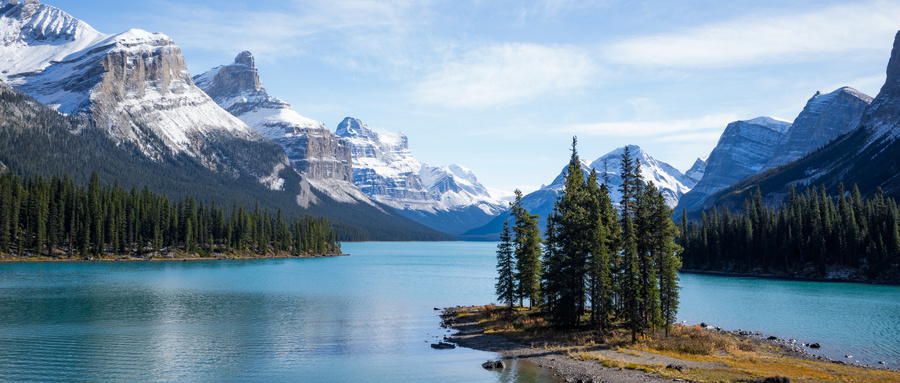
<point x="506" y="282"/>
<point x="527" y="244"/>
<point x="602" y="229"/>
<point x="630" y="282"/>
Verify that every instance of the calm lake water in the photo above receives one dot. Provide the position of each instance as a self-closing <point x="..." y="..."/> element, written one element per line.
<point x="364" y="318"/>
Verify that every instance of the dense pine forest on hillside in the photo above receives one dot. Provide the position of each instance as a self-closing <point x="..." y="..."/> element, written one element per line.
<point x="57" y="218"/>
<point x="814" y="235"/>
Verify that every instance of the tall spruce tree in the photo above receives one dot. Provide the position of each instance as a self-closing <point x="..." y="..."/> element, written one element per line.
<point x="506" y="282"/>
<point x="602" y="226"/>
<point x="571" y="219"/>
<point x="527" y="240"/>
<point x="630" y="280"/>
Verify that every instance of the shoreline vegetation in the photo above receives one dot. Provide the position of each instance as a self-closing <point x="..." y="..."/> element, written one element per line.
<point x="169" y="257"/>
<point x="813" y="234"/>
<point x="690" y="353"/>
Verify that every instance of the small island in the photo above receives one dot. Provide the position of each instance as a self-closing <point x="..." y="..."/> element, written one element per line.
<point x="603" y="296"/>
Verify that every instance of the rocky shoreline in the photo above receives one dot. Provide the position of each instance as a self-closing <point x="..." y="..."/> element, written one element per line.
<point x="791" y="277"/>
<point x="471" y="334"/>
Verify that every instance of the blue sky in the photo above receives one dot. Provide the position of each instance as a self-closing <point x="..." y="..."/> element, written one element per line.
<point x="501" y="87"/>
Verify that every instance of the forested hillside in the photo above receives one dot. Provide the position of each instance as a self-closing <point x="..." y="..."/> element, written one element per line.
<point x="815" y="234"/>
<point x="41" y="217"/>
<point x="38" y="141"/>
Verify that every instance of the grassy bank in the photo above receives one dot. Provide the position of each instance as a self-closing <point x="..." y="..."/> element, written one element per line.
<point x="688" y="352"/>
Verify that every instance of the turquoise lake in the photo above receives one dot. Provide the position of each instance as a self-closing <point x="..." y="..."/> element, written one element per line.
<point x="368" y="317"/>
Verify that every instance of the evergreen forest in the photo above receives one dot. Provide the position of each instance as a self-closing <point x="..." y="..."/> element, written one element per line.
<point x="599" y="266"/>
<point x="56" y="218"/>
<point x="814" y="234"/>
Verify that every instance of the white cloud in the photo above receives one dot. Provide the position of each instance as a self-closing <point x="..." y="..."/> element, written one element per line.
<point x="506" y="74"/>
<point x="760" y="39"/>
<point x="661" y="129"/>
<point x="361" y="34"/>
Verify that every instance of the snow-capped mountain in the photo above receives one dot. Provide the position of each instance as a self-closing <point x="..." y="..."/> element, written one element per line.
<point x="698" y="169"/>
<point x="448" y="198"/>
<point x="742" y="151"/>
<point x="134" y="85"/>
<point x="134" y="113"/>
<point x="670" y="181"/>
<point x="867" y="157"/>
<point x="747" y="148"/>
<point x="322" y="157"/>
<point x="824" y="118"/>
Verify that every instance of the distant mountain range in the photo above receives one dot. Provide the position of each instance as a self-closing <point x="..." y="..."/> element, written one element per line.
<point x="448" y="198"/>
<point x="125" y="106"/>
<point x="747" y="148"/>
<point x="867" y="155"/>
<point x="670" y="181"/>
<point x="134" y="113"/>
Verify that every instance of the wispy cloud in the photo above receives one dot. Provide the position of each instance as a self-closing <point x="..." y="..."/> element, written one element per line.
<point x="356" y="33"/>
<point x="506" y="74"/>
<point x="709" y="124"/>
<point x="764" y="38"/>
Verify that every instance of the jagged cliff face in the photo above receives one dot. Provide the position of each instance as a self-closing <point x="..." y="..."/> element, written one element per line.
<point x="824" y="118"/>
<point x="311" y="147"/>
<point x="882" y="116"/>
<point x="134" y="85"/>
<point x="384" y="168"/>
<point x="448" y="198"/>
<point x="868" y="157"/>
<point x="742" y="151"/>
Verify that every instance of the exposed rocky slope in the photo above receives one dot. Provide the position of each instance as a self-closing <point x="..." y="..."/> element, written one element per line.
<point x="824" y="118"/>
<point x="742" y="151"/>
<point x="746" y="149"/>
<point x="134" y="85"/>
<point x="321" y="157"/>
<point x="697" y="169"/>
<point x="868" y="156"/>
<point x="448" y="198"/>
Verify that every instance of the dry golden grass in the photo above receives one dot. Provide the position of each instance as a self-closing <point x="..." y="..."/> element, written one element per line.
<point x="745" y="359"/>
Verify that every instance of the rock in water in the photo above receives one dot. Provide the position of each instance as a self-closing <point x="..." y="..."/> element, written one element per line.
<point x="443" y="346"/>
<point x="493" y="364"/>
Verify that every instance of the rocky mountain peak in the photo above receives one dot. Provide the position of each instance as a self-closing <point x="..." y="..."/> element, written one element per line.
<point x="229" y="81"/>
<point x="351" y="127"/>
<point x="743" y="149"/>
<point x="891" y="87"/>
<point x="312" y="149"/>
<point x="882" y="114"/>
<point x="824" y="118"/>
<point x="698" y="169"/>
<point x="245" y="58"/>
